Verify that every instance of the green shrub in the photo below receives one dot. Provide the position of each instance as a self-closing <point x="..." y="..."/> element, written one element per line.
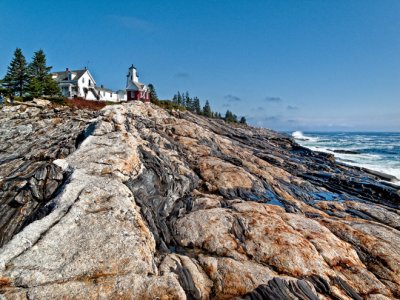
<point x="167" y="104"/>
<point x="56" y="99"/>
<point x="27" y="98"/>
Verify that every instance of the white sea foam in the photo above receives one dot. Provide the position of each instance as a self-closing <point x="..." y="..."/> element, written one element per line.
<point x="298" y="135"/>
<point x="377" y="162"/>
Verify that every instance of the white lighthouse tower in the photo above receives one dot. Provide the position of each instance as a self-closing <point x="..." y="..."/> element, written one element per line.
<point x="134" y="89"/>
<point x="132" y="76"/>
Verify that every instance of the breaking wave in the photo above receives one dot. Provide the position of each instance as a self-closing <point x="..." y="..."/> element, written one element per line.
<point x="375" y="151"/>
<point x="298" y="135"/>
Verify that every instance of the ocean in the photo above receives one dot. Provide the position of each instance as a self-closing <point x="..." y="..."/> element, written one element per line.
<point x="375" y="151"/>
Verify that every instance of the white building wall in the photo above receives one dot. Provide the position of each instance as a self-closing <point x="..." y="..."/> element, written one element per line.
<point x="121" y="95"/>
<point x="108" y="96"/>
<point x="86" y="81"/>
<point x="90" y="96"/>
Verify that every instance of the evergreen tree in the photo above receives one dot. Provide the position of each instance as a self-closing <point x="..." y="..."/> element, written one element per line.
<point x="51" y="87"/>
<point x="37" y="68"/>
<point x="234" y="118"/>
<point x="242" y="120"/>
<point x="196" y="105"/>
<point x="175" y="99"/>
<point x="3" y="89"/>
<point x="153" y="94"/>
<point x="35" y="87"/>
<point x="207" y="110"/>
<point x="40" y="82"/>
<point x="188" y="101"/>
<point x="17" y="78"/>
<point x="230" y="117"/>
<point x="179" y="99"/>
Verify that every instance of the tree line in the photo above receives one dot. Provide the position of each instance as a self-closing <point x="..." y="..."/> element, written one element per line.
<point x="184" y="101"/>
<point x="193" y="105"/>
<point x="33" y="79"/>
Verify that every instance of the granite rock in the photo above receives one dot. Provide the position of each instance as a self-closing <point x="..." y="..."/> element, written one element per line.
<point x="136" y="202"/>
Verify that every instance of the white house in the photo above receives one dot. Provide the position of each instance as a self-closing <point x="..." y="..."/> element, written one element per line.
<point x="80" y="83"/>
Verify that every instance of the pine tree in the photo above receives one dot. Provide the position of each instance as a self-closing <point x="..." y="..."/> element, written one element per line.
<point x="51" y="87"/>
<point x="207" y="110"/>
<point x="153" y="94"/>
<point x="230" y="117"/>
<point x="16" y="79"/>
<point x="242" y="120"/>
<point x="37" y="68"/>
<point x="188" y="101"/>
<point x="179" y="99"/>
<point x="196" y="105"/>
<point x="35" y="87"/>
<point x="40" y="82"/>
<point x="175" y="99"/>
<point x="234" y="118"/>
<point x="3" y="88"/>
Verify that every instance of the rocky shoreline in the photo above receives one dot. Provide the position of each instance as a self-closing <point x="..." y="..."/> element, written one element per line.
<point x="138" y="202"/>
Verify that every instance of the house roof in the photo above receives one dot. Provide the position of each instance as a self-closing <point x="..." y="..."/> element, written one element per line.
<point x="138" y="85"/>
<point x="104" y="89"/>
<point x="63" y="76"/>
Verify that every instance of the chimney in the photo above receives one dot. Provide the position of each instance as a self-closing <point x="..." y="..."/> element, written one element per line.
<point x="67" y="69"/>
<point x="102" y="86"/>
<point x="85" y="68"/>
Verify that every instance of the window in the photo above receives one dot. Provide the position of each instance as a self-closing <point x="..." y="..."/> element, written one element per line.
<point x="83" y="80"/>
<point x="111" y="95"/>
<point x="90" y="83"/>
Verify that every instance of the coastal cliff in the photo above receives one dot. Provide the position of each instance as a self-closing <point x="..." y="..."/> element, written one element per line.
<point x="138" y="202"/>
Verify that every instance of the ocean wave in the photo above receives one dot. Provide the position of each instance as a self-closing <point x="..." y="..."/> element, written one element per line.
<point x="298" y="135"/>
<point x="374" y="153"/>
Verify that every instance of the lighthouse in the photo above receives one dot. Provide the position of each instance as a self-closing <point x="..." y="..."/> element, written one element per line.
<point x="132" y="76"/>
<point x="134" y="89"/>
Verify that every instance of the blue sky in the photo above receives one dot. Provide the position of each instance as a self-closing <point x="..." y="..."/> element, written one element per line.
<point x="286" y="65"/>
